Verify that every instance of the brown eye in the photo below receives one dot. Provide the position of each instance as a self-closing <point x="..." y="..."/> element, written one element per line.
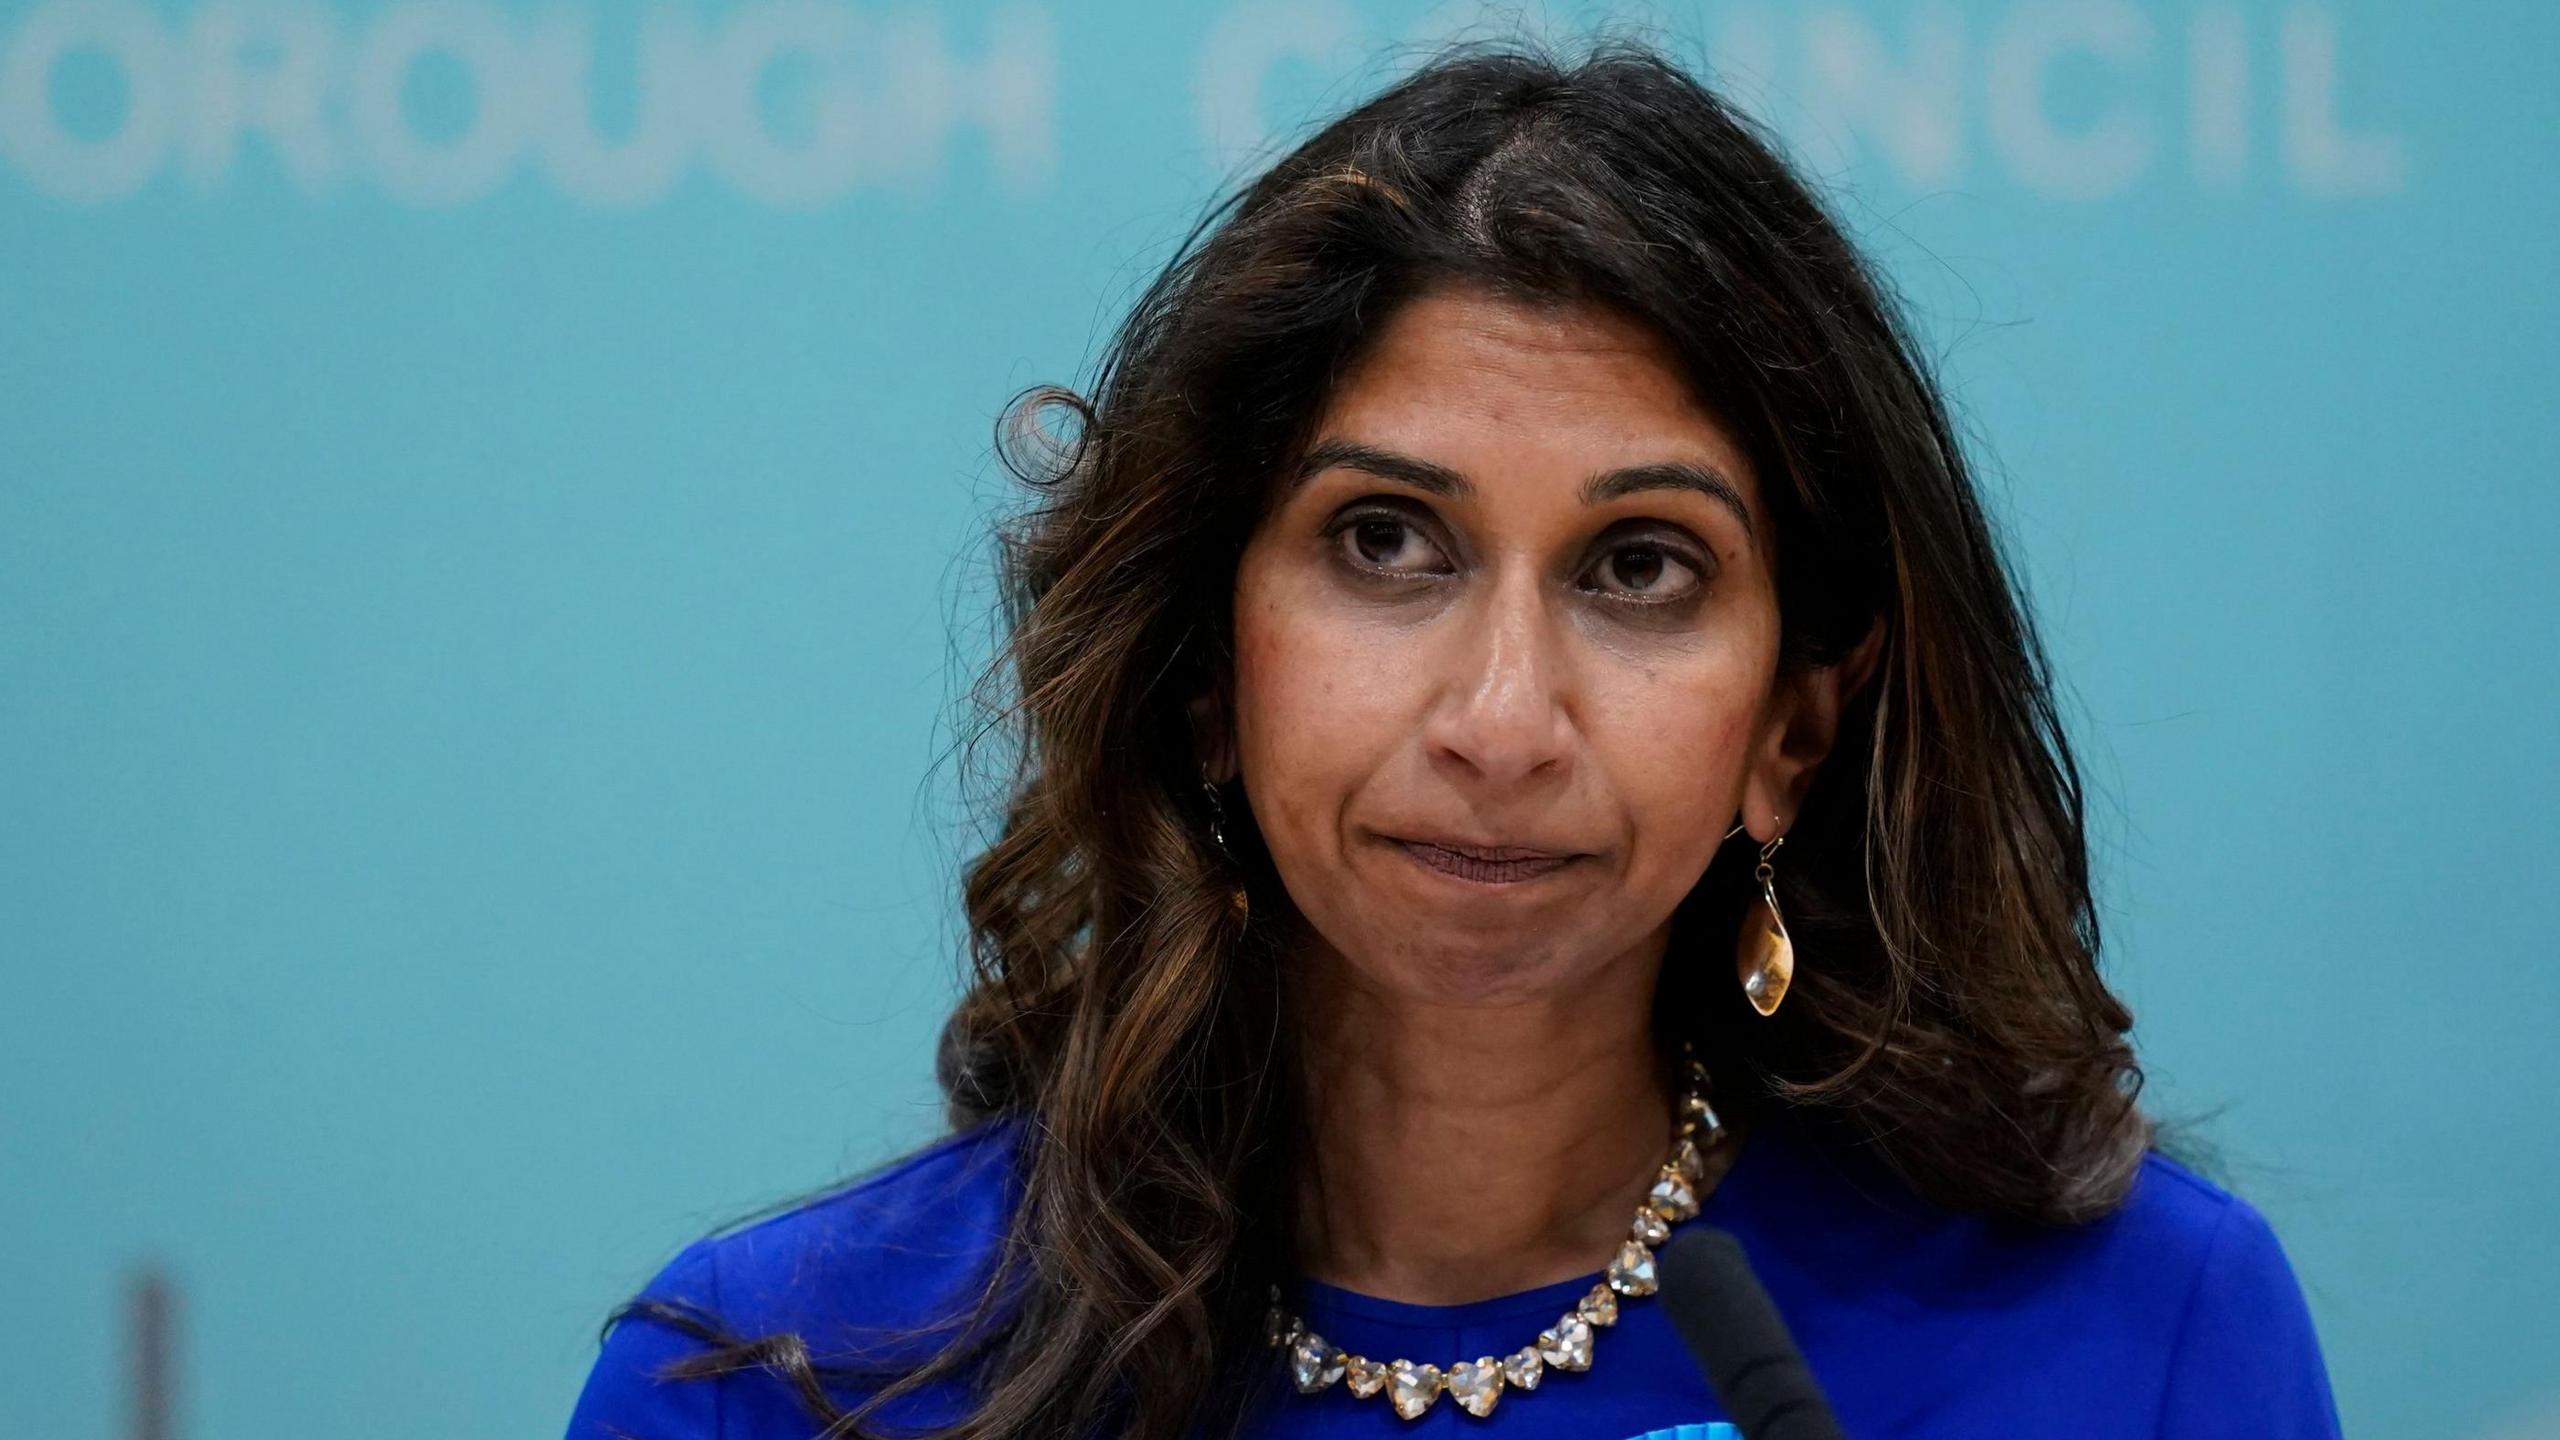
<point x="1385" y="543"/>
<point x="1379" y="541"/>
<point x="1651" y="574"/>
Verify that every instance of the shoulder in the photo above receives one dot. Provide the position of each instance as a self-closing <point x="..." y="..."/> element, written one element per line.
<point x="2184" y="1306"/>
<point x="847" y="1271"/>
<point x="1825" y="1202"/>
<point x="886" y="1251"/>
<point x="2182" y="1266"/>
<point x="2149" y="1255"/>
<point x="2245" y="1357"/>
<point x="2175" y="1316"/>
<point x="2173" y="1223"/>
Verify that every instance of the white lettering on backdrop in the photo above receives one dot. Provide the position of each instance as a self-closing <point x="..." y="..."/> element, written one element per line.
<point x="2075" y="100"/>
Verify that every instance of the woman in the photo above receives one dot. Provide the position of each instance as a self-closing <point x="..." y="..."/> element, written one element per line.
<point x="1526" y="743"/>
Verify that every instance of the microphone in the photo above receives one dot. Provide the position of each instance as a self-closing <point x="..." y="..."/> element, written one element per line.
<point x="1707" y="1289"/>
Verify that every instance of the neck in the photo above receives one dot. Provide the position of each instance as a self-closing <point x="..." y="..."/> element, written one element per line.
<point x="1461" y="1151"/>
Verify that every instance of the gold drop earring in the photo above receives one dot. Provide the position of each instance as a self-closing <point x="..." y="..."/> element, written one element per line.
<point x="1765" y="958"/>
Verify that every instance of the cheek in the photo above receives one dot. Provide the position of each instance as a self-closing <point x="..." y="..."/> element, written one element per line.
<point x="1680" y="782"/>
<point x="1314" y="711"/>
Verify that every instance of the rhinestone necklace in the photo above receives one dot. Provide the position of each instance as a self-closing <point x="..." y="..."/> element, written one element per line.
<point x="1477" y="1384"/>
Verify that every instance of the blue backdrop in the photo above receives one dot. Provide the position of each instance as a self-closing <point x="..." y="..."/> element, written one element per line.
<point x="491" y="504"/>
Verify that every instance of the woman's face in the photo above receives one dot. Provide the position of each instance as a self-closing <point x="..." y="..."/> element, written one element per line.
<point x="1519" y="597"/>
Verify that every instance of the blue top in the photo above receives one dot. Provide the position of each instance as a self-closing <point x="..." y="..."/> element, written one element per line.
<point x="2177" y="1317"/>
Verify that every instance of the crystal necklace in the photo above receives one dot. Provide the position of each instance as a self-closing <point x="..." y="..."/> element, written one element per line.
<point x="1478" y="1384"/>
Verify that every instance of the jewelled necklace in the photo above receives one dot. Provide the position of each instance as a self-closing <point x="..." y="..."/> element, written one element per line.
<point x="1477" y="1385"/>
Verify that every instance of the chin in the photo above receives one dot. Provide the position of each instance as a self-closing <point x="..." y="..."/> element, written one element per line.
<point x="1445" y="969"/>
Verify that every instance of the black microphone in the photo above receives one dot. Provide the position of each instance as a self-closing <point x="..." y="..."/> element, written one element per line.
<point x="1758" y="1374"/>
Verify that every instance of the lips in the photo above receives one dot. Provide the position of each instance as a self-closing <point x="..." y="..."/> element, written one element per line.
<point x="1486" y="852"/>
<point x="1486" y="864"/>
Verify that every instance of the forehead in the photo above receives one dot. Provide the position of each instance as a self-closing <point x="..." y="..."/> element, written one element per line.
<point x="1464" y="373"/>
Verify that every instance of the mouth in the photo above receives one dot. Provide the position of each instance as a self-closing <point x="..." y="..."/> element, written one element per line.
<point x="1494" y="865"/>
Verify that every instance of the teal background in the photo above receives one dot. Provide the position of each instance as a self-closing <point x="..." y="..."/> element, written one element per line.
<point x="480" y="617"/>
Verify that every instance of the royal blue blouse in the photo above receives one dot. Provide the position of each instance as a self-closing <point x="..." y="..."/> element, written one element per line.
<point x="2177" y="1317"/>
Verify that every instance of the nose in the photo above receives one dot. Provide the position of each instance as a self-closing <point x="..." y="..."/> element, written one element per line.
<point x="1503" y="709"/>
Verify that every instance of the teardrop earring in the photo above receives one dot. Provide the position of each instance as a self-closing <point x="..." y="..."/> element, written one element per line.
<point x="1766" y="958"/>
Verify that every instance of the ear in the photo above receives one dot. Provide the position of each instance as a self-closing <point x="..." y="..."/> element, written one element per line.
<point x="1796" y="732"/>
<point x="1212" y="737"/>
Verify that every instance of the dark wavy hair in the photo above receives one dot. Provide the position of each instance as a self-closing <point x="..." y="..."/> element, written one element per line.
<point x="1948" y="1019"/>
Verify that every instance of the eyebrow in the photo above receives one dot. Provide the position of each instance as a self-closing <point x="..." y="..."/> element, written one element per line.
<point x="1600" y="486"/>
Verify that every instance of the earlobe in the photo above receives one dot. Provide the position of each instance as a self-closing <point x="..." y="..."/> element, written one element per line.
<point x="1796" y="738"/>
<point x="1769" y="787"/>
<point x="1769" y="782"/>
